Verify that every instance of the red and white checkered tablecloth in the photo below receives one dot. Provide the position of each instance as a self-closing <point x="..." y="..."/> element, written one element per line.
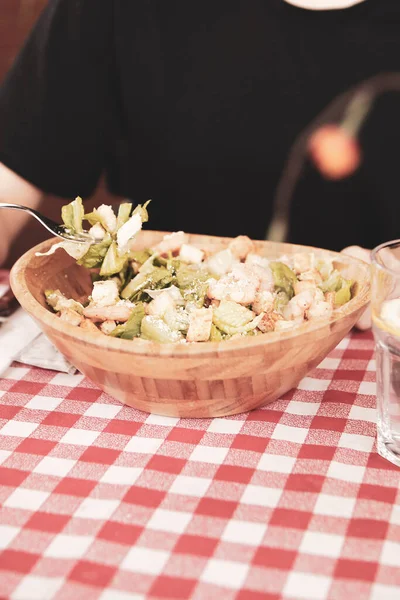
<point x="100" y="501"/>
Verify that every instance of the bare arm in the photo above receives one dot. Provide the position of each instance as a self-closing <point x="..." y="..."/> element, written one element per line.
<point x="14" y="189"/>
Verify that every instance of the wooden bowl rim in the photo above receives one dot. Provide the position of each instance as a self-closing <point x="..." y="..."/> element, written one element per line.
<point x="183" y="350"/>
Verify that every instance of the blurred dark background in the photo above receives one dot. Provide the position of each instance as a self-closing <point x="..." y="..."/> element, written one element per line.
<point x="16" y="19"/>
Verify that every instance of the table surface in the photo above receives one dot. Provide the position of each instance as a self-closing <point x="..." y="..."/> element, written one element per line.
<point x="290" y="501"/>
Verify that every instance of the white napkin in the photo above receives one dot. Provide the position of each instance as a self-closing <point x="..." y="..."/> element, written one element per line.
<point x="42" y="353"/>
<point x="15" y="334"/>
<point x="22" y="340"/>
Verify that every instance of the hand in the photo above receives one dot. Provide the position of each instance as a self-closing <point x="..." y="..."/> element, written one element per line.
<point x="363" y="254"/>
<point x="14" y="189"/>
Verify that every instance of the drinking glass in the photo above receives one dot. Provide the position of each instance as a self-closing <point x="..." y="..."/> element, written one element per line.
<point x="385" y="305"/>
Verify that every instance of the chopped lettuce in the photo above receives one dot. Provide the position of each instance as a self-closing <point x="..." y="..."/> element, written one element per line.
<point x="284" y="278"/>
<point x="196" y="293"/>
<point x="113" y="262"/>
<point x="140" y="256"/>
<point x="172" y="290"/>
<point x="157" y="330"/>
<point x="186" y="276"/>
<point x="124" y="212"/>
<point x="72" y="215"/>
<point x="193" y="284"/>
<point x="333" y="283"/>
<point x="177" y="319"/>
<point x="157" y="278"/>
<point x="161" y="261"/>
<point x="233" y="314"/>
<point x="232" y="318"/>
<point x="217" y="335"/>
<point x="128" y="231"/>
<point x="344" y="294"/>
<point x="340" y="286"/>
<point x="58" y="301"/>
<point x="125" y="275"/>
<point x="170" y="263"/>
<point x="74" y="249"/>
<point x="121" y="229"/>
<point x="142" y="211"/>
<point x="280" y="301"/>
<point x="105" y="216"/>
<point x="128" y="226"/>
<point x="325" y="268"/>
<point x="95" y="254"/>
<point x="94" y="217"/>
<point x="132" y="327"/>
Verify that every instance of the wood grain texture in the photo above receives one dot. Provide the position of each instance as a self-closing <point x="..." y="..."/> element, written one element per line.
<point x="186" y="380"/>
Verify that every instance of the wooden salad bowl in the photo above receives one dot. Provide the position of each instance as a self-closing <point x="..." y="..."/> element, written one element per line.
<point x="207" y="379"/>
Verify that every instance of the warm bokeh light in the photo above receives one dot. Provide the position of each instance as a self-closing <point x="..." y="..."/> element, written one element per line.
<point x="335" y="153"/>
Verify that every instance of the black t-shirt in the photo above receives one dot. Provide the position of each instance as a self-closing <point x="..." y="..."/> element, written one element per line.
<point x="196" y="105"/>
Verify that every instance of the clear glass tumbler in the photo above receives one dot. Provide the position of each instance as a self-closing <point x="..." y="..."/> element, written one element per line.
<point x="385" y="304"/>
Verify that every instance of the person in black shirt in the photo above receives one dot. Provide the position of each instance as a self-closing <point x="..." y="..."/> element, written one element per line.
<point x="196" y="105"/>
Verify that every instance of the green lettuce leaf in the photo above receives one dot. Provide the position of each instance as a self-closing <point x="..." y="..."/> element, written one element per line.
<point x="232" y="318"/>
<point x="193" y="283"/>
<point x="280" y="301"/>
<point x="232" y="314"/>
<point x="284" y="278"/>
<point x="140" y="256"/>
<point x="59" y="302"/>
<point x="217" y="335"/>
<point x="94" y="218"/>
<point x="113" y="261"/>
<point x="125" y="275"/>
<point x="103" y="215"/>
<point x="132" y="327"/>
<point x="124" y="212"/>
<point x="333" y="283"/>
<point x="197" y="293"/>
<point x="157" y="330"/>
<point x="142" y="210"/>
<point x="72" y="215"/>
<point x="343" y="295"/>
<point x="325" y="268"/>
<point x="95" y="255"/>
<point x="177" y="319"/>
<point x="157" y="278"/>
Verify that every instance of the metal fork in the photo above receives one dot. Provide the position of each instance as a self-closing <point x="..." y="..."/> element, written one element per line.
<point x="52" y="226"/>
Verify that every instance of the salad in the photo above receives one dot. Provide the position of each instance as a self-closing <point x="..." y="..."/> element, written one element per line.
<point x="177" y="292"/>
